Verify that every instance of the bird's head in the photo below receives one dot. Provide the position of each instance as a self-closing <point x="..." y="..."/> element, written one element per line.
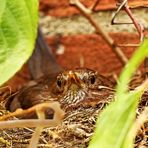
<point x="74" y="85"/>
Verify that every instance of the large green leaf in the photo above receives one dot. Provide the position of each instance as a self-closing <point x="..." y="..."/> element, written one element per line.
<point x="18" y="29"/>
<point x="2" y="7"/>
<point x="116" y="120"/>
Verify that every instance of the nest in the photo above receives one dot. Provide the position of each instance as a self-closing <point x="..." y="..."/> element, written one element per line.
<point x="75" y="130"/>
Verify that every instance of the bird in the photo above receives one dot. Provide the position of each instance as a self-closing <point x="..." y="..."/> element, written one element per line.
<point x="71" y="88"/>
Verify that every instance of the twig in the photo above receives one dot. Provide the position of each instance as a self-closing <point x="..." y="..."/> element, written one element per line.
<point x="93" y="6"/>
<point x="58" y="115"/>
<point x="105" y="87"/>
<point x="38" y="130"/>
<point x="28" y="123"/>
<point x="38" y="123"/>
<point x="101" y="32"/>
<point x="53" y="105"/>
<point x="80" y="5"/>
<point x="143" y="86"/>
<point x="123" y="5"/>
<point x="128" y="45"/>
<point x="146" y="66"/>
<point x="143" y="117"/>
<point x="1" y="92"/>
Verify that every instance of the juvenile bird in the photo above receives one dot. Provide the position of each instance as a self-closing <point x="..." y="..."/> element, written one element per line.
<point x="71" y="88"/>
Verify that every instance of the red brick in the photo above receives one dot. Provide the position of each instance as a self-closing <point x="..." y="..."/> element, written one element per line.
<point x="63" y="9"/>
<point x="97" y="54"/>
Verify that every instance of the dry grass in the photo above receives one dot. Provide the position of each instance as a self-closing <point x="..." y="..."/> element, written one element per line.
<point x="75" y="130"/>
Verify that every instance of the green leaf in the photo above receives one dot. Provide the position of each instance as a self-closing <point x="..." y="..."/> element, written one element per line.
<point x="116" y="120"/>
<point x="18" y="30"/>
<point x="2" y="7"/>
<point x="130" y="68"/>
<point x="114" y="123"/>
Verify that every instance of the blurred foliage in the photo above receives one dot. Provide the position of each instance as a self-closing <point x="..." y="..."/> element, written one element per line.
<point x="117" y="119"/>
<point x="18" y="30"/>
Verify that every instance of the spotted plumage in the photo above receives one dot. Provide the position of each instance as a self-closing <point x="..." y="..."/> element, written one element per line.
<point x="70" y="88"/>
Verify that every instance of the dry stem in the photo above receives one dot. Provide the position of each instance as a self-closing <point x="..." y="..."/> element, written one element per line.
<point x="146" y="66"/>
<point x="100" y="31"/>
<point x="58" y="115"/>
<point x="38" y="130"/>
<point x="123" y="5"/>
<point x="38" y="123"/>
<point x="53" y="105"/>
<point x="93" y="6"/>
<point x="139" y="122"/>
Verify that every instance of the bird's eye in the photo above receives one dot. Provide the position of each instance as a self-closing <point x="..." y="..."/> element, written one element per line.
<point x="59" y="82"/>
<point x="92" y="79"/>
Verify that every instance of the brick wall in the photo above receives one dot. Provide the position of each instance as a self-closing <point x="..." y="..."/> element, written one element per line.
<point x="81" y="46"/>
<point x="63" y="9"/>
<point x="86" y="49"/>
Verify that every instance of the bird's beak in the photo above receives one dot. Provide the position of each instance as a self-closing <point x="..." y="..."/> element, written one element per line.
<point x="73" y="79"/>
